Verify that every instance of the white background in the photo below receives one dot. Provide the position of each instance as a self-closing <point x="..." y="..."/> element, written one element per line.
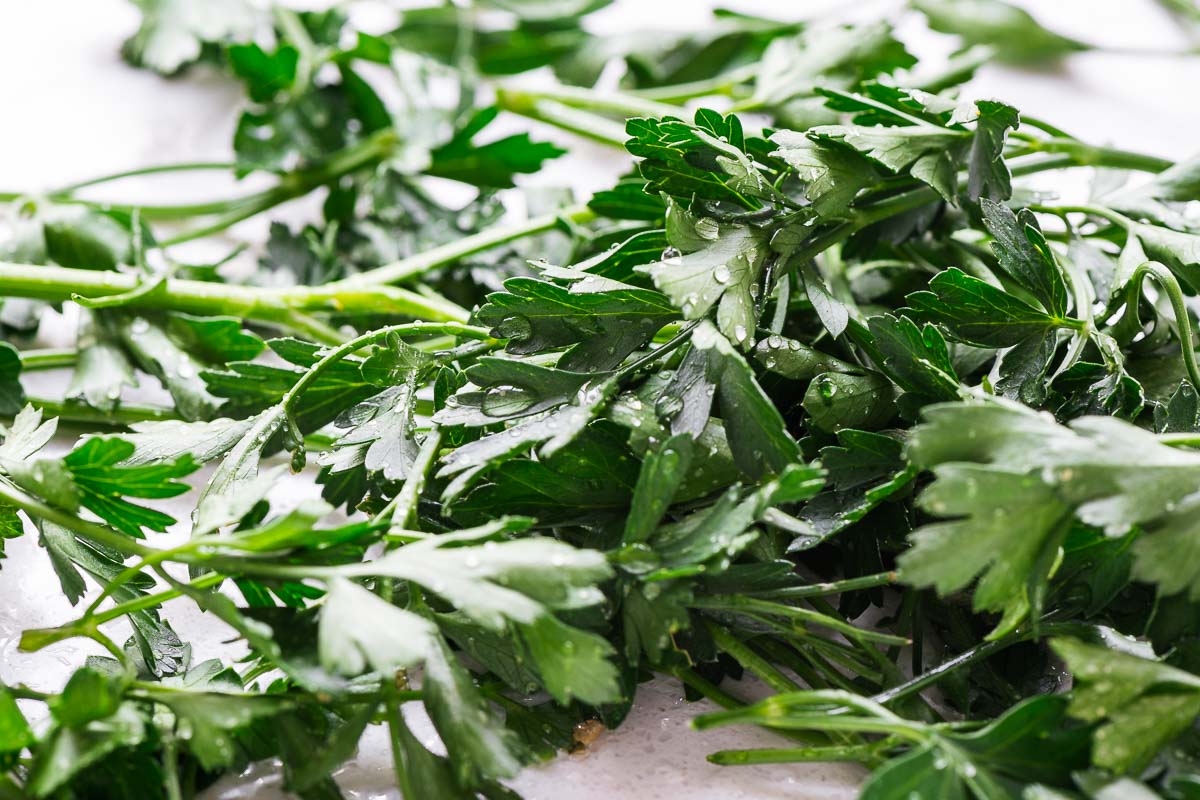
<point x="70" y="109"/>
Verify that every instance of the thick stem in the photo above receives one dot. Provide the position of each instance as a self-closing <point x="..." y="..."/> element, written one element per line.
<point x="624" y="105"/>
<point x="862" y="753"/>
<point x="121" y="416"/>
<point x="48" y="358"/>
<point x="1088" y="155"/>
<point x="573" y="120"/>
<point x="261" y="304"/>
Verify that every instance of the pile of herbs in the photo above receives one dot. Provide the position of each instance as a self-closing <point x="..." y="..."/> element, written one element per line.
<point x="820" y="393"/>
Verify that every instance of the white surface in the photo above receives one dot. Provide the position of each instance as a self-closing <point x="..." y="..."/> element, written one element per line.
<point x="73" y="110"/>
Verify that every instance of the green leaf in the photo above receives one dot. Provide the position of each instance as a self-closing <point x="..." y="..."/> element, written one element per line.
<point x="661" y="474"/>
<point x="173" y="32"/>
<point x="926" y="152"/>
<point x="835" y="172"/>
<point x="102" y="369"/>
<point x="758" y="438"/>
<point x="977" y="313"/>
<point x="598" y="329"/>
<point x="722" y="266"/>
<point x="503" y="389"/>
<point x="97" y="471"/>
<point x="351" y="643"/>
<point x="1024" y="255"/>
<point x="706" y="160"/>
<point x="265" y="74"/>
<point x="12" y="394"/>
<point x="797" y="361"/>
<point x="492" y="164"/>
<point x="1015" y="35"/>
<point x="573" y="664"/>
<point x="88" y="696"/>
<point x="916" y="359"/>
<point x="15" y="733"/>
<point x="65" y="752"/>
<point x="988" y="175"/>
<point x="171" y="440"/>
<point x="87" y="239"/>
<point x="794" y="66"/>
<point x="835" y="400"/>
<point x="1140" y="704"/>
<point x="1007" y="521"/>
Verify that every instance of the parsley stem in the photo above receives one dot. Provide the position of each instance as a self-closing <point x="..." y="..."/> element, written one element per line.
<point x="404" y="505"/>
<point x="1088" y="155"/>
<point x="974" y="654"/>
<point x="832" y="587"/>
<point x="862" y="753"/>
<point x="261" y="304"/>
<point x="724" y="84"/>
<point x="95" y="531"/>
<point x="120" y="416"/>
<point x="706" y="688"/>
<point x="1170" y="285"/>
<point x="738" y="603"/>
<point x="155" y="600"/>
<point x="158" y="169"/>
<point x="568" y="118"/>
<point x="49" y="358"/>
<point x="625" y="105"/>
<point x="450" y="252"/>
<point x="750" y="660"/>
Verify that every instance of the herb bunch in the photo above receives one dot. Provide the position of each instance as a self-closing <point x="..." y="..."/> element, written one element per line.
<point x="835" y="401"/>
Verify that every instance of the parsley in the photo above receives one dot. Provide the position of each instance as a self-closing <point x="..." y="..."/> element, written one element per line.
<point x="831" y="403"/>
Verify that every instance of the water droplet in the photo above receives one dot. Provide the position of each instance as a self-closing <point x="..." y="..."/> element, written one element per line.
<point x="671" y="255"/>
<point x="826" y="387"/>
<point x="139" y="327"/>
<point x="739" y="332"/>
<point x="504" y="401"/>
<point x="721" y="274"/>
<point x="515" y="327"/>
<point x="668" y="407"/>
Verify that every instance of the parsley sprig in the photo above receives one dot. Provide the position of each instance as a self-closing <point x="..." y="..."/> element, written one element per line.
<point x="834" y="401"/>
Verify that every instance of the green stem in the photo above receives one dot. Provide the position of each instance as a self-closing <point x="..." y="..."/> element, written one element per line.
<point x="48" y="358"/>
<point x="450" y="252"/>
<point x="155" y="600"/>
<point x="803" y="615"/>
<point x="187" y="166"/>
<point x="706" y="688"/>
<point x="1166" y="280"/>
<point x="91" y="530"/>
<point x="974" y="654"/>
<point x="832" y="587"/>
<point x="404" y="504"/>
<point x="122" y="416"/>
<point x="1088" y="155"/>
<point x="750" y="660"/>
<point x="262" y="304"/>
<point x="573" y="120"/>
<point x="862" y="753"/>
<point x="624" y="105"/>
<point x="723" y="84"/>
